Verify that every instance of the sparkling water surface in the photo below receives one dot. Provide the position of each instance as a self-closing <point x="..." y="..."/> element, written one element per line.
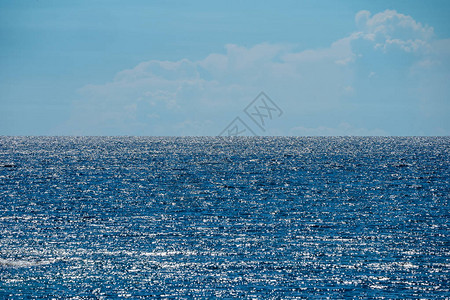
<point x="277" y="218"/>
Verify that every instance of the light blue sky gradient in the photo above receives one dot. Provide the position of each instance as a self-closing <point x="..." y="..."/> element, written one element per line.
<point x="190" y="67"/>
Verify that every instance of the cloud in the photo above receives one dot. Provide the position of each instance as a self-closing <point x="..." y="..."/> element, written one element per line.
<point x="390" y="29"/>
<point x="199" y="92"/>
<point x="200" y="97"/>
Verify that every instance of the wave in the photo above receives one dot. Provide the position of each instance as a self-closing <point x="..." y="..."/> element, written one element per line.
<point x="19" y="263"/>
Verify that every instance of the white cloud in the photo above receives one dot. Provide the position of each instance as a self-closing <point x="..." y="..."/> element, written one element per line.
<point x="339" y="52"/>
<point x="200" y="97"/>
<point x="392" y="29"/>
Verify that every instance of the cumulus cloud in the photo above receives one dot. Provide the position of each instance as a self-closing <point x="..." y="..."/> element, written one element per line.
<point x="191" y="92"/>
<point x="200" y="97"/>
<point x="392" y="29"/>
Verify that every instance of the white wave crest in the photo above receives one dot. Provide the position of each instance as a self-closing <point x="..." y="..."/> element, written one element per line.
<point x="19" y="263"/>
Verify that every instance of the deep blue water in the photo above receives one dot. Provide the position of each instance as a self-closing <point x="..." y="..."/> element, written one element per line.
<point x="277" y="218"/>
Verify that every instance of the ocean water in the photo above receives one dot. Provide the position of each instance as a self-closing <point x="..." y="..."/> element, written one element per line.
<point x="272" y="218"/>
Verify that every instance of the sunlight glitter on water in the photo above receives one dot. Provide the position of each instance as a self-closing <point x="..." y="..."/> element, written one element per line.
<point x="214" y="217"/>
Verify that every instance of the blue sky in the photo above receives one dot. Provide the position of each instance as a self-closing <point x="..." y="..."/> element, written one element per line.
<point x="190" y="67"/>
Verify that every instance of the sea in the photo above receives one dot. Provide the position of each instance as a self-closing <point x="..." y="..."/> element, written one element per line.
<point x="224" y="217"/>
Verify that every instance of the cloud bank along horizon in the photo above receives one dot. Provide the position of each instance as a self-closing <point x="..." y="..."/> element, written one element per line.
<point x="387" y="77"/>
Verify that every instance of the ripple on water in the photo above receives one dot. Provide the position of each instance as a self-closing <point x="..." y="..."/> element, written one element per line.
<point x="116" y="217"/>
